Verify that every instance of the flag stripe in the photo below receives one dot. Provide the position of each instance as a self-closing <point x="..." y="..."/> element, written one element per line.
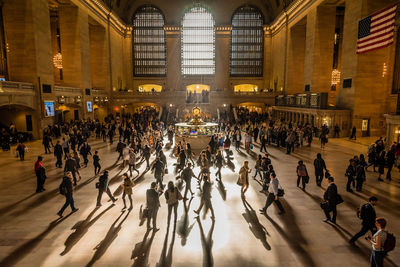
<point x="382" y="25"/>
<point x="376" y="35"/>
<point x="384" y="12"/>
<point x="375" y="47"/>
<point x="382" y="20"/>
<point x="374" y="42"/>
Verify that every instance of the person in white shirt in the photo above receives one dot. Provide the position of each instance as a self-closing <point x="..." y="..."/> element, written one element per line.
<point x="273" y="195"/>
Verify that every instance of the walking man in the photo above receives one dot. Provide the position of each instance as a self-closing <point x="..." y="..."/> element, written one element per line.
<point x="103" y="187"/>
<point x="319" y="166"/>
<point x="153" y="204"/>
<point x="67" y="190"/>
<point x="273" y="195"/>
<point x="187" y="175"/>
<point x="96" y="163"/>
<point x="368" y="216"/>
<point x="331" y="197"/>
<point x="58" y="151"/>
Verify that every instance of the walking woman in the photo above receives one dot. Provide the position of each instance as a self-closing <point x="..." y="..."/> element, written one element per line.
<point x="127" y="187"/>
<point x="172" y="195"/>
<point x="302" y="174"/>
<point x="378" y="241"/>
<point x="258" y="168"/>
<point x="244" y="177"/>
<point x="206" y="197"/>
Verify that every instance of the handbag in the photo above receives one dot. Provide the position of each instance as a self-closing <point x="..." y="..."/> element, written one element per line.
<point x="239" y="181"/>
<point x="307" y="179"/>
<point x="281" y="191"/>
<point x="97" y="185"/>
<point x="166" y="171"/>
<point x="251" y="146"/>
<point x="327" y="175"/>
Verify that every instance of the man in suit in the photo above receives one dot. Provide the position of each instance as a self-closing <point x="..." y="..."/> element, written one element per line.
<point x="58" y="152"/>
<point x="331" y="197"/>
<point x="153" y="203"/>
<point x="368" y="216"/>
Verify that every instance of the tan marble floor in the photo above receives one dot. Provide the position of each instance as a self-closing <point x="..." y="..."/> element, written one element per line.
<point x="31" y="235"/>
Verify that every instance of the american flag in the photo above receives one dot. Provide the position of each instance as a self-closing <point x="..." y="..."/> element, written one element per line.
<point x="377" y="30"/>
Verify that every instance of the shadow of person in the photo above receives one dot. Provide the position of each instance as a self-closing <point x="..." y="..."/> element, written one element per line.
<point x="7" y="208"/>
<point x="166" y="259"/>
<point x="14" y="257"/>
<point x="141" y="252"/>
<point x="81" y="228"/>
<point x="183" y="228"/>
<point x="230" y="165"/>
<point x="207" y="243"/>
<point x="294" y="243"/>
<point x="111" y="235"/>
<point x="221" y="189"/>
<point x="255" y="226"/>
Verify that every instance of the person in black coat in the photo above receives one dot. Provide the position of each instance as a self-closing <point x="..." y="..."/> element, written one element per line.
<point x="146" y="155"/>
<point x="390" y="159"/>
<point x="368" y="216"/>
<point x="96" y="163"/>
<point x="153" y="204"/>
<point x="40" y="172"/>
<point x="58" y="152"/>
<point x="85" y="151"/>
<point x="102" y="185"/>
<point x="68" y="193"/>
<point x="331" y="197"/>
<point x="319" y="166"/>
<point x="360" y="176"/>
<point x="350" y="174"/>
<point x="71" y="166"/>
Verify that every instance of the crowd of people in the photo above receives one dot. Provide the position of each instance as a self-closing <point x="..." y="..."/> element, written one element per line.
<point x="141" y="136"/>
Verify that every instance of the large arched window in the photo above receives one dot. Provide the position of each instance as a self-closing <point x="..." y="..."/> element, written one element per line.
<point x="198" y="41"/>
<point x="247" y="42"/>
<point x="148" y="40"/>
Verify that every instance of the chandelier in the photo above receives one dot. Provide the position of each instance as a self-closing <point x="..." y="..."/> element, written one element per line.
<point x="335" y="77"/>
<point x="57" y="61"/>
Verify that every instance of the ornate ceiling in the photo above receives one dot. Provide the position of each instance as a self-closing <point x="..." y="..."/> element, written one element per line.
<point x="174" y="9"/>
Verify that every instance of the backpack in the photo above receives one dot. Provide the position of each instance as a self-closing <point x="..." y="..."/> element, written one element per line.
<point x="390" y="242"/>
<point x="62" y="189"/>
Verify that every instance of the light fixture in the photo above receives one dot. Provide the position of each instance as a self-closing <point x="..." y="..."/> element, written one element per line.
<point x="170" y="105"/>
<point x="224" y="105"/>
<point x="197" y="87"/>
<point x="57" y="61"/>
<point x="335" y="77"/>
<point x="384" y="70"/>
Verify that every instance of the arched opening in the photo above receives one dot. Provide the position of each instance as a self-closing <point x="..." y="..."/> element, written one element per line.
<point x="198" y="93"/>
<point x="17" y="121"/>
<point x="245" y="88"/>
<point x="198" y="42"/>
<point x="250" y="107"/>
<point x="149" y="88"/>
<point x="148" y="41"/>
<point x="247" y="42"/>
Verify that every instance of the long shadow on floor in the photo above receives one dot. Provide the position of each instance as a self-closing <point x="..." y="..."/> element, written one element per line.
<point x="111" y="235"/>
<point x="141" y="252"/>
<point x="221" y="190"/>
<point x="81" y="228"/>
<point x="207" y="243"/>
<point x="166" y="258"/>
<point x="184" y="227"/>
<point x="293" y="237"/>
<point x="14" y="257"/>
<point x="255" y="226"/>
<point x="7" y="208"/>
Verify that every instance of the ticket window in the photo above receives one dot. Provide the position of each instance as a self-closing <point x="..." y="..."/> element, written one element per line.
<point x="365" y="127"/>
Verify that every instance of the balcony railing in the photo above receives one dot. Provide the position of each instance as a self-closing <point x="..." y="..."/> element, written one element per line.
<point x="16" y="87"/>
<point x="310" y="100"/>
<point x="64" y="90"/>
